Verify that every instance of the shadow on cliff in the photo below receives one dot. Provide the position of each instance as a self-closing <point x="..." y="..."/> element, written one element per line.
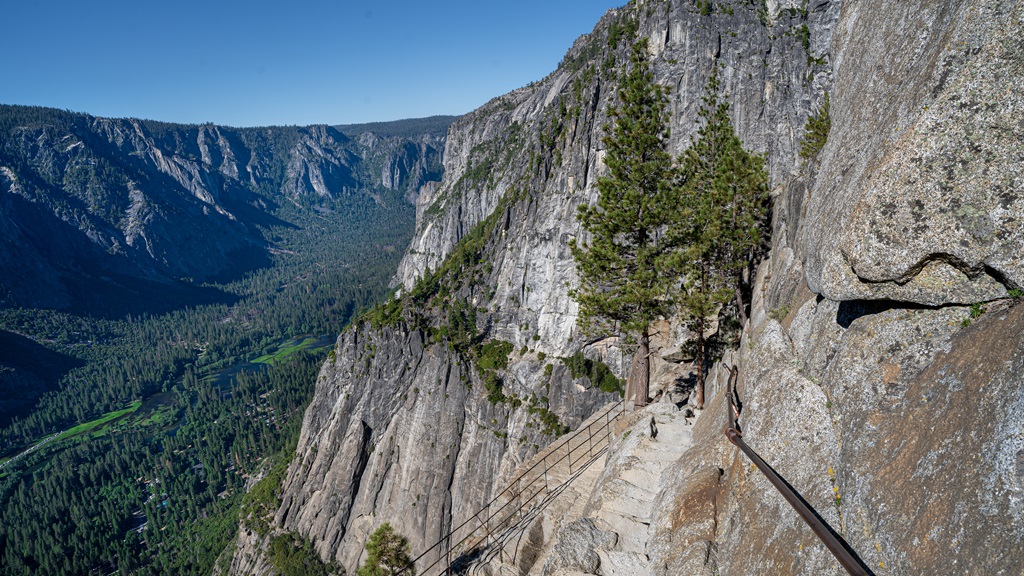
<point x="46" y="262"/>
<point x="114" y="296"/>
<point x="27" y="370"/>
<point x="851" y="310"/>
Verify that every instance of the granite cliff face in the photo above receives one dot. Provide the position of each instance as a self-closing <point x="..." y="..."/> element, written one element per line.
<point x="866" y="379"/>
<point x="123" y="206"/>
<point x="899" y="423"/>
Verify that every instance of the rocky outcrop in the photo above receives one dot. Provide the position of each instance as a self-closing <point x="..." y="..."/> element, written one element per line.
<point x="320" y="163"/>
<point x="245" y="557"/>
<point x="888" y="404"/>
<point x="126" y="207"/>
<point x="867" y="379"/>
<point x="401" y="430"/>
<point x="918" y="194"/>
<point x="891" y="406"/>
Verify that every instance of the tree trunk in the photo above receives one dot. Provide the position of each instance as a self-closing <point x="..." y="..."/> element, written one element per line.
<point x="739" y="304"/>
<point x="739" y="277"/>
<point x="638" y="381"/>
<point x="644" y="377"/>
<point x="700" y="364"/>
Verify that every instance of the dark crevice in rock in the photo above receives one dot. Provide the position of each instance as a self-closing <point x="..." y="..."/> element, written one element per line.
<point x="1000" y="277"/>
<point x="714" y="511"/>
<point x="391" y="461"/>
<point x="448" y="511"/>
<point x="360" y="468"/>
<point x="850" y="310"/>
<point x="972" y="272"/>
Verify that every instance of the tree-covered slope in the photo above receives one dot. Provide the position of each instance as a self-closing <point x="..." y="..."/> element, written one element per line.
<point x="198" y="272"/>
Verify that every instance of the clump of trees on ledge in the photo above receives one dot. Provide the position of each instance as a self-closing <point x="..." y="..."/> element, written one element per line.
<point x="668" y="235"/>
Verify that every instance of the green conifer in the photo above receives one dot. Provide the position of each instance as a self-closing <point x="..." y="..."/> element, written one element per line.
<point x="388" y="553"/>
<point x="816" y="131"/>
<point x="722" y="192"/>
<point x="622" y="286"/>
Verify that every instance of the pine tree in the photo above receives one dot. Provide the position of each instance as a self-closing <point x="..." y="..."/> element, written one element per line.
<point x="816" y="131"/>
<point x="388" y="553"/>
<point x="723" y="195"/>
<point x="622" y="289"/>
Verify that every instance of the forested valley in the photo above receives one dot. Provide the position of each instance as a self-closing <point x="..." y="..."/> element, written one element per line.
<point x="138" y="458"/>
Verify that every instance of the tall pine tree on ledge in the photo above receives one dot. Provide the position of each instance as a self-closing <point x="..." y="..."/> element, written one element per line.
<point x="622" y="289"/>
<point x="722" y="195"/>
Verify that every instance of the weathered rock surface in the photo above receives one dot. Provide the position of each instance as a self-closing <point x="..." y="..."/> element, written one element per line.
<point x="918" y="197"/>
<point x="401" y="430"/>
<point x="246" y="556"/>
<point x="579" y="542"/>
<point x="893" y="419"/>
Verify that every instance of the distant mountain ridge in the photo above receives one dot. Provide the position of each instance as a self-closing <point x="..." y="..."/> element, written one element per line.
<point x="96" y="212"/>
<point x="406" y="128"/>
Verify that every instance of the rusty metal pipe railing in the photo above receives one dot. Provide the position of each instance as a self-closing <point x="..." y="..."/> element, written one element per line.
<point x="501" y="539"/>
<point x="542" y="463"/>
<point x="835" y="544"/>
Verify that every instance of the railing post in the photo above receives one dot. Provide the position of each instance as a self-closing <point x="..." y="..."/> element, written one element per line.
<point x="568" y="451"/>
<point x="487" y="526"/>
<point x="590" y="441"/>
<point x="608" y="427"/>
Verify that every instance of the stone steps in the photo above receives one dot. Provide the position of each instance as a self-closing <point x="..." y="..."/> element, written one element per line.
<point x="617" y="493"/>
<point x="625" y="500"/>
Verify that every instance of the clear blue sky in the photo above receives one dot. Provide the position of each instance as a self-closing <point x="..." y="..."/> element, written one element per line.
<point x="282" y="62"/>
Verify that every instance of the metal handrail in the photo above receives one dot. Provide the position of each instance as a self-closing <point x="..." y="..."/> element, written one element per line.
<point x="531" y="514"/>
<point x="513" y="496"/>
<point x="548" y="464"/>
<point x="835" y="543"/>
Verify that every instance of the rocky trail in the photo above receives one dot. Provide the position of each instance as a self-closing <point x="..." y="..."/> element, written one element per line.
<point x="625" y="496"/>
<point x="600" y="523"/>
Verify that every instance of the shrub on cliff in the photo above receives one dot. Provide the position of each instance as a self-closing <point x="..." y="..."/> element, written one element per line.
<point x="293" y="555"/>
<point x="389" y="553"/>
<point x="816" y="132"/>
